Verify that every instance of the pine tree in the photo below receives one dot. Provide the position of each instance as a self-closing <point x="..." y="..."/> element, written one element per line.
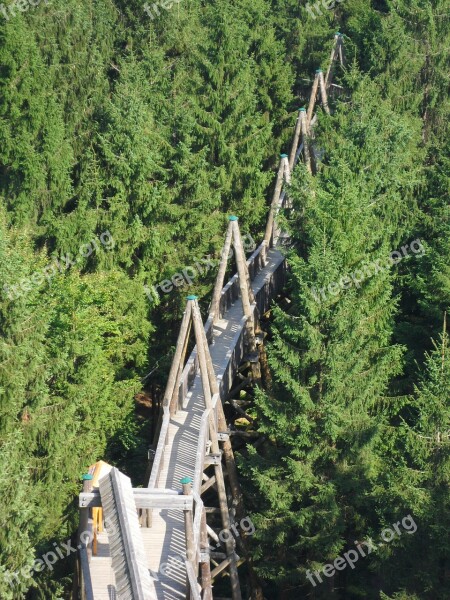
<point x="332" y="353"/>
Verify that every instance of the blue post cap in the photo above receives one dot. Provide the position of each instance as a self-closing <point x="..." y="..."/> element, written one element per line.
<point x="87" y="477"/>
<point x="302" y="109"/>
<point x="186" y="480"/>
<point x="319" y="71"/>
<point x="233" y="218"/>
<point x="283" y="155"/>
<point x="192" y="297"/>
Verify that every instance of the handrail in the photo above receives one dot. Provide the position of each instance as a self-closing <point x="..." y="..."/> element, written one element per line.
<point x="181" y="383"/>
<point x="86" y="574"/>
<point x="193" y="583"/>
<point x="158" y="463"/>
<point x="230" y="292"/>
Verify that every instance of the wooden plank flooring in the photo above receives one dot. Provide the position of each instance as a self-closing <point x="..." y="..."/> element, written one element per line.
<point x="164" y="542"/>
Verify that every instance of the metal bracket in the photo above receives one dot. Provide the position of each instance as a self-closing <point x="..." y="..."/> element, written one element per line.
<point x="84" y="501"/>
<point x="213" y="459"/>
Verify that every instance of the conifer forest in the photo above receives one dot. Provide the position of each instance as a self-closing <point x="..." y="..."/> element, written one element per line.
<point x="129" y="133"/>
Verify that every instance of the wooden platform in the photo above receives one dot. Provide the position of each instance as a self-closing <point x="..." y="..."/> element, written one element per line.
<point x="165" y="541"/>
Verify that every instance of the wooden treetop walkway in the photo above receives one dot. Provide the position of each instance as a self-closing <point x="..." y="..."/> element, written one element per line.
<point x="172" y="552"/>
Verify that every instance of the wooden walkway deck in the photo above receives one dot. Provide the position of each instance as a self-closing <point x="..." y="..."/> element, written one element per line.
<point x="191" y="412"/>
<point x="165" y="541"/>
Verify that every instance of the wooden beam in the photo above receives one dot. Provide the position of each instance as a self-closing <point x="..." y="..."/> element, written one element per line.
<point x="175" y="400"/>
<point x="143" y="498"/>
<point x="247" y="296"/>
<point x="202" y="349"/>
<point x="323" y="92"/>
<point x="341" y="51"/>
<point x="209" y="381"/>
<point x="275" y="202"/>
<point x="240" y="258"/>
<point x="305" y="140"/>
<point x="87" y="592"/>
<point x="215" y="302"/>
<point x="193" y="584"/>
<point x="223" y="565"/>
<point x="209" y="483"/>
<point x="205" y="568"/>
<point x="191" y="551"/>
<point x="241" y="411"/>
<point x="84" y="515"/>
<point x="298" y="128"/>
<point x="334" y="54"/>
<point x="174" y="369"/>
<point x="312" y="99"/>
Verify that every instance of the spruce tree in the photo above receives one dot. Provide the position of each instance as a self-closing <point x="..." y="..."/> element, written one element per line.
<point x="332" y="353"/>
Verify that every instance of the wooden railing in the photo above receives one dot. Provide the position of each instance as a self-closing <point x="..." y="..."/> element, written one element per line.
<point x="194" y="510"/>
<point x="158" y="462"/>
<point x="230" y="294"/>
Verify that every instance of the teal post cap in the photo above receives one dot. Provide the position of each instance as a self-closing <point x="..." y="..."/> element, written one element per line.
<point x="283" y="155"/>
<point x="319" y="71"/>
<point x="338" y="33"/>
<point x="192" y="297"/>
<point x="303" y="109"/>
<point x="87" y="477"/>
<point x="186" y="480"/>
<point x="233" y="218"/>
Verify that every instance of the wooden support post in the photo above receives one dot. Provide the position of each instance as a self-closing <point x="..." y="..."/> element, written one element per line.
<point x="205" y="567"/>
<point x="323" y="92"/>
<point x="334" y="54"/>
<point x="231" y="469"/>
<point x="215" y="302"/>
<point x="84" y="513"/>
<point x="287" y="171"/>
<point x="239" y="250"/>
<point x="312" y="99"/>
<point x="229" y="544"/>
<point x="176" y="390"/>
<point x="191" y="551"/>
<point x="82" y="531"/>
<point x="207" y="379"/>
<point x="242" y="271"/>
<point x="222" y="427"/>
<point x="173" y="380"/>
<point x="341" y="50"/>
<point x="305" y="140"/>
<point x="275" y="205"/>
<point x="298" y="128"/>
<point x="247" y="298"/>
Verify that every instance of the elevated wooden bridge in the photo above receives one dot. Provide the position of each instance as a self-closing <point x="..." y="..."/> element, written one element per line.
<point x="162" y="542"/>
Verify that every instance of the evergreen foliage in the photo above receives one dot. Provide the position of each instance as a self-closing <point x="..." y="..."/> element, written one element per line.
<point x="154" y="130"/>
